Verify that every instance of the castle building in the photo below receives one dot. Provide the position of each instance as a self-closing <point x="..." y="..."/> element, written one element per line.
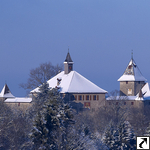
<point x="134" y="89"/>
<point x="6" y="93"/>
<point x="76" y="88"/>
<point x="132" y="80"/>
<point x="22" y="103"/>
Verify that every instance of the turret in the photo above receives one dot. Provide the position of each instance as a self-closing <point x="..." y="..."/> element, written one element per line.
<point x="68" y="64"/>
<point x="132" y="80"/>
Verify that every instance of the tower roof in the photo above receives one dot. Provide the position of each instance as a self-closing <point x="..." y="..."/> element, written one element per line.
<point x="6" y="92"/>
<point x="132" y="73"/>
<point x="68" y="58"/>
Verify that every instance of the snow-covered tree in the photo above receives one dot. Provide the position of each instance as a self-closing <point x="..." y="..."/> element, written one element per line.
<point x="51" y="122"/>
<point x="41" y="97"/>
<point x="5" y="125"/>
<point x="109" y="136"/>
<point x="125" y="136"/>
<point x="121" y="137"/>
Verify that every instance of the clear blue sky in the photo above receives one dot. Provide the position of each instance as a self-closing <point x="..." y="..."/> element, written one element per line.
<point x="100" y="33"/>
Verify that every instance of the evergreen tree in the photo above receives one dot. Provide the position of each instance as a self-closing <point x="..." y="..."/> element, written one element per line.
<point x="51" y="122"/>
<point x="125" y="137"/>
<point x="121" y="138"/>
<point x="6" y="118"/>
<point x="41" y="97"/>
<point x="109" y="136"/>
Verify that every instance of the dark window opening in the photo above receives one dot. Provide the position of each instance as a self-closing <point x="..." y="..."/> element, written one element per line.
<point x="87" y="97"/>
<point x="80" y="97"/>
<point x="94" y="97"/>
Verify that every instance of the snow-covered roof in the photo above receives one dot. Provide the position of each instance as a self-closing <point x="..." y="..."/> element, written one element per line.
<point x="5" y="93"/>
<point x="146" y="92"/>
<point x="121" y="98"/>
<point x="72" y="82"/>
<point x="132" y="73"/>
<point x="18" y="100"/>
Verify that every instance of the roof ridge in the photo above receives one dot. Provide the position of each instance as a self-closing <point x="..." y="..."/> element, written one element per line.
<point x="71" y="79"/>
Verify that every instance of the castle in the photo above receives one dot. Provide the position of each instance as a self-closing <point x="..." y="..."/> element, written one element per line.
<point x="74" y="87"/>
<point x="134" y="89"/>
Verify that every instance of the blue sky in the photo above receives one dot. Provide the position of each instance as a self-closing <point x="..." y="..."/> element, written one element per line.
<point x="100" y="35"/>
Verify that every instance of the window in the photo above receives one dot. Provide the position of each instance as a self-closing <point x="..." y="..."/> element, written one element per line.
<point x="80" y="97"/>
<point x="87" y="97"/>
<point x="129" y="91"/>
<point x="87" y="105"/>
<point x="83" y="97"/>
<point x="124" y="103"/>
<point x="139" y="82"/>
<point x="94" y="97"/>
<point x="132" y="103"/>
<point x="126" y="82"/>
<point x="18" y="104"/>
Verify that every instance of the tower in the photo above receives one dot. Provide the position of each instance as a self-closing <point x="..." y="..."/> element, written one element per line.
<point x="68" y="64"/>
<point x="132" y="80"/>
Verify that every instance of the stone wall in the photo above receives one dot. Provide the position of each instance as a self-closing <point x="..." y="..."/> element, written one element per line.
<point x="88" y="100"/>
<point x="19" y="106"/>
<point x="130" y="88"/>
<point x="125" y="103"/>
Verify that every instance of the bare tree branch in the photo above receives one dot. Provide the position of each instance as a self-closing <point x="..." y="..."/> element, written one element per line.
<point x="41" y="74"/>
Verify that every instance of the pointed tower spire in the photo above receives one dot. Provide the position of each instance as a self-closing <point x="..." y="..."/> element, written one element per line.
<point x="6" y="92"/>
<point x="68" y="63"/>
<point x="132" y="73"/>
<point x="132" y="79"/>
